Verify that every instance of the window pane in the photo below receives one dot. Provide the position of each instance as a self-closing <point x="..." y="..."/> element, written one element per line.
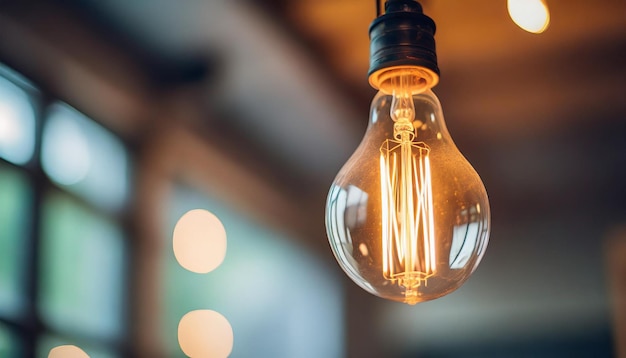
<point x="85" y="158"/>
<point x="8" y="343"/>
<point x="48" y="342"/>
<point x="280" y="300"/>
<point x="17" y="123"/>
<point x="15" y="197"/>
<point x="82" y="270"/>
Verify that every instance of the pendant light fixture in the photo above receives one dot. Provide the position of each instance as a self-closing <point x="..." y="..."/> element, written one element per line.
<point x="407" y="216"/>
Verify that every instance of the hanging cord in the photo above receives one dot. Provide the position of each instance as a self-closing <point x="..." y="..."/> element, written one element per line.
<point x="378" y="7"/>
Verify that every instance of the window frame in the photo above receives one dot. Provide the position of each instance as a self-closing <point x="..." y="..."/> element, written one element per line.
<point x="29" y="327"/>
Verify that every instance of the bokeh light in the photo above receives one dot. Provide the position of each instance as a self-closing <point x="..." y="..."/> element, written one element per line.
<point x="17" y="123"/>
<point x="65" y="154"/>
<point x="10" y="130"/>
<point x="85" y="158"/>
<point x="67" y="352"/>
<point x="199" y="241"/>
<point x="531" y="15"/>
<point x="205" y="333"/>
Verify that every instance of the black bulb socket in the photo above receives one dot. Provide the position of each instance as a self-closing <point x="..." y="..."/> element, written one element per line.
<point x="402" y="36"/>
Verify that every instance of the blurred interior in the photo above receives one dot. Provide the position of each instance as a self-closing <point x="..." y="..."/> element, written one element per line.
<point x="117" y="117"/>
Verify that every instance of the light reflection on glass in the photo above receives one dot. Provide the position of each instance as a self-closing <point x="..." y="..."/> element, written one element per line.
<point x="356" y="207"/>
<point x="363" y="249"/>
<point x="464" y="238"/>
<point x="353" y="203"/>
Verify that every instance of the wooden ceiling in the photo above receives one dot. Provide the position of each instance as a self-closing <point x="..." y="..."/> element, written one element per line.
<point x="513" y="76"/>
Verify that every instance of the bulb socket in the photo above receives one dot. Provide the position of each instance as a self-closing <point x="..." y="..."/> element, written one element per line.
<point x="402" y="37"/>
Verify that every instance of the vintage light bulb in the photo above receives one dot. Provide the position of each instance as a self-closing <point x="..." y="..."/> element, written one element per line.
<point x="407" y="216"/>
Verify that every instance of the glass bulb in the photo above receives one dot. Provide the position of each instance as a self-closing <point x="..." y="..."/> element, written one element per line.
<point x="407" y="216"/>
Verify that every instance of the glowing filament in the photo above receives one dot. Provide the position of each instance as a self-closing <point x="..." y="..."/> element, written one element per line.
<point x="408" y="235"/>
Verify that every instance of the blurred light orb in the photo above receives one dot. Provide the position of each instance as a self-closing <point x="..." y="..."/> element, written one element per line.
<point x="17" y="123"/>
<point x="10" y="131"/>
<point x="531" y="15"/>
<point x="65" y="152"/>
<point x="205" y="333"/>
<point x="199" y="241"/>
<point x="67" y="351"/>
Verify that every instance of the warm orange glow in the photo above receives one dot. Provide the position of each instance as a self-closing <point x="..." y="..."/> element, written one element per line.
<point x="205" y="333"/>
<point x="531" y="15"/>
<point x="408" y="229"/>
<point x="67" y="352"/>
<point x="199" y="241"/>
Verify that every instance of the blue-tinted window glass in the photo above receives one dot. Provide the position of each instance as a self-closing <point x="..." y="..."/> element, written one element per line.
<point x="83" y="157"/>
<point x="48" y="342"/>
<point x="82" y="270"/>
<point x="279" y="299"/>
<point x="9" y="343"/>
<point x="15" y="221"/>
<point x="17" y="122"/>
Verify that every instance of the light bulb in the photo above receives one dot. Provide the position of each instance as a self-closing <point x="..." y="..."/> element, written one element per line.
<point x="407" y="216"/>
<point x="531" y="15"/>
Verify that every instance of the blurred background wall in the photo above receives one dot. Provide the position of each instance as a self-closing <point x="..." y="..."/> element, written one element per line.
<point x="117" y="117"/>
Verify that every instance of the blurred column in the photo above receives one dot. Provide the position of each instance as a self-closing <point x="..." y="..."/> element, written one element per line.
<point x="151" y="184"/>
<point x="616" y="252"/>
<point x="362" y="336"/>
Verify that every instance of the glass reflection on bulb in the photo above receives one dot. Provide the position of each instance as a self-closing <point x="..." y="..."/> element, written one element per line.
<point x="407" y="216"/>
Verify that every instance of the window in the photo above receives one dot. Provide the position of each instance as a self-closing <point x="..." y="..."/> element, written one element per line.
<point x="65" y="184"/>
<point x="83" y="158"/>
<point x="64" y="189"/>
<point x="15" y="210"/>
<point x="8" y="343"/>
<point x="82" y="257"/>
